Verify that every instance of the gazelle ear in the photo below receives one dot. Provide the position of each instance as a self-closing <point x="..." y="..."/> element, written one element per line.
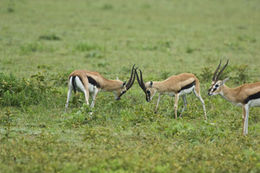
<point x="224" y="81"/>
<point x="151" y="83"/>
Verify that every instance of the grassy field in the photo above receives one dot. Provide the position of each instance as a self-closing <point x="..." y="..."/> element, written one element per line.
<point x="42" y="41"/>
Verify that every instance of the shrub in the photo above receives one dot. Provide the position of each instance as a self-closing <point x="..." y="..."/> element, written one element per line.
<point x="241" y="73"/>
<point x="61" y="79"/>
<point x="23" y="92"/>
<point x="189" y="50"/>
<point x="31" y="47"/>
<point x="206" y="74"/>
<point x="85" y="46"/>
<point x="52" y="37"/>
<point x="10" y="9"/>
<point x="107" y="7"/>
<point x="94" y="54"/>
<point x="165" y="74"/>
<point x="28" y="48"/>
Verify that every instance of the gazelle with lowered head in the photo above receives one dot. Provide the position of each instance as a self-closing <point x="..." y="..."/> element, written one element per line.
<point x="92" y="82"/>
<point x="176" y="85"/>
<point x="246" y="95"/>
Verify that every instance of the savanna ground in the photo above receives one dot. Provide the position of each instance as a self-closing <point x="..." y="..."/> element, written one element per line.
<point x="41" y="42"/>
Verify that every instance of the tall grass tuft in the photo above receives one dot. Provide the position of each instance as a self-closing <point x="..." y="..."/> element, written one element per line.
<point x="35" y="47"/>
<point x="85" y="46"/>
<point x="24" y="92"/>
<point x="50" y="37"/>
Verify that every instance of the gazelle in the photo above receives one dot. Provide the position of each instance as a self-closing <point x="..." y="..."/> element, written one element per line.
<point x="246" y="95"/>
<point x="177" y="86"/>
<point x="92" y="82"/>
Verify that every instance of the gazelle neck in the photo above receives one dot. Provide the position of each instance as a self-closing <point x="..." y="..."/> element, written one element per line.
<point x="111" y="85"/>
<point x="159" y="86"/>
<point x="229" y="93"/>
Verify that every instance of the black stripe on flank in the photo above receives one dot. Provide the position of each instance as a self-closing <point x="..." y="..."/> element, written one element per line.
<point x="252" y="97"/>
<point x="74" y="83"/>
<point x="187" y="86"/>
<point x="93" y="82"/>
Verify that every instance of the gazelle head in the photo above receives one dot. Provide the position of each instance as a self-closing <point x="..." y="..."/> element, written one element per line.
<point x="147" y="87"/>
<point x="216" y="83"/>
<point x="126" y="86"/>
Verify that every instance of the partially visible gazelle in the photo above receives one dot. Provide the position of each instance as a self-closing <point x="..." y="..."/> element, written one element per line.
<point x="177" y="86"/>
<point x="92" y="82"/>
<point x="246" y="95"/>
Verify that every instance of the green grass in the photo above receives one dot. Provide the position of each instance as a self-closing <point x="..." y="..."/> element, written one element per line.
<point x="41" y="42"/>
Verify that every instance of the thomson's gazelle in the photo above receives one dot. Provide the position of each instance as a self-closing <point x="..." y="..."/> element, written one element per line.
<point x="246" y="95"/>
<point x="177" y="86"/>
<point x="92" y="82"/>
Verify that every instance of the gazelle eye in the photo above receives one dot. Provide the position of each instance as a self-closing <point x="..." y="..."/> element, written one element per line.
<point x="216" y="85"/>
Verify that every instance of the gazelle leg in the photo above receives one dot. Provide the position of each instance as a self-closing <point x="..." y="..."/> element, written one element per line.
<point x="86" y="93"/>
<point x="156" y="108"/>
<point x="185" y="104"/>
<point x="203" y="103"/>
<point x="68" y="96"/>
<point x="94" y="95"/>
<point x="245" y="122"/>
<point x="176" y="105"/>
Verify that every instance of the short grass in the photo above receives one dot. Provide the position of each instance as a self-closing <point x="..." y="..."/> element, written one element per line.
<point x="41" y="42"/>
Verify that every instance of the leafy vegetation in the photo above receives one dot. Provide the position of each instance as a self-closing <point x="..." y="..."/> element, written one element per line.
<point x="49" y="37"/>
<point x="24" y="92"/>
<point x="43" y="41"/>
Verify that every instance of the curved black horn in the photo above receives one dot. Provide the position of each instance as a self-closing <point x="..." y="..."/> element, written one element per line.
<point x="215" y="74"/>
<point x="130" y="81"/>
<point x="140" y="81"/>
<point x="133" y="80"/>
<point x="222" y="70"/>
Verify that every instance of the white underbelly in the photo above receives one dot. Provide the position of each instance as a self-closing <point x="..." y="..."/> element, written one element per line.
<point x="254" y="103"/>
<point x="186" y="91"/>
<point x="237" y="104"/>
<point x="170" y="93"/>
<point x="91" y="88"/>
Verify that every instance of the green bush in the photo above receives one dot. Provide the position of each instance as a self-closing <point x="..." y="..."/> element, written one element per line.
<point x="51" y="37"/>
<point x="85" y="46"/>
<point x="241" y="73"/>
<point x="61" y="79"/>
<point x="33" y="47"/>
<point x="22" y="92"/>
<point x="238" y="73"/>
<point x="206" y="74"/>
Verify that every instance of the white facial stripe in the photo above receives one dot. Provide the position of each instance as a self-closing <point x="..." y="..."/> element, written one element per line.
<point x="215" y="86"/>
